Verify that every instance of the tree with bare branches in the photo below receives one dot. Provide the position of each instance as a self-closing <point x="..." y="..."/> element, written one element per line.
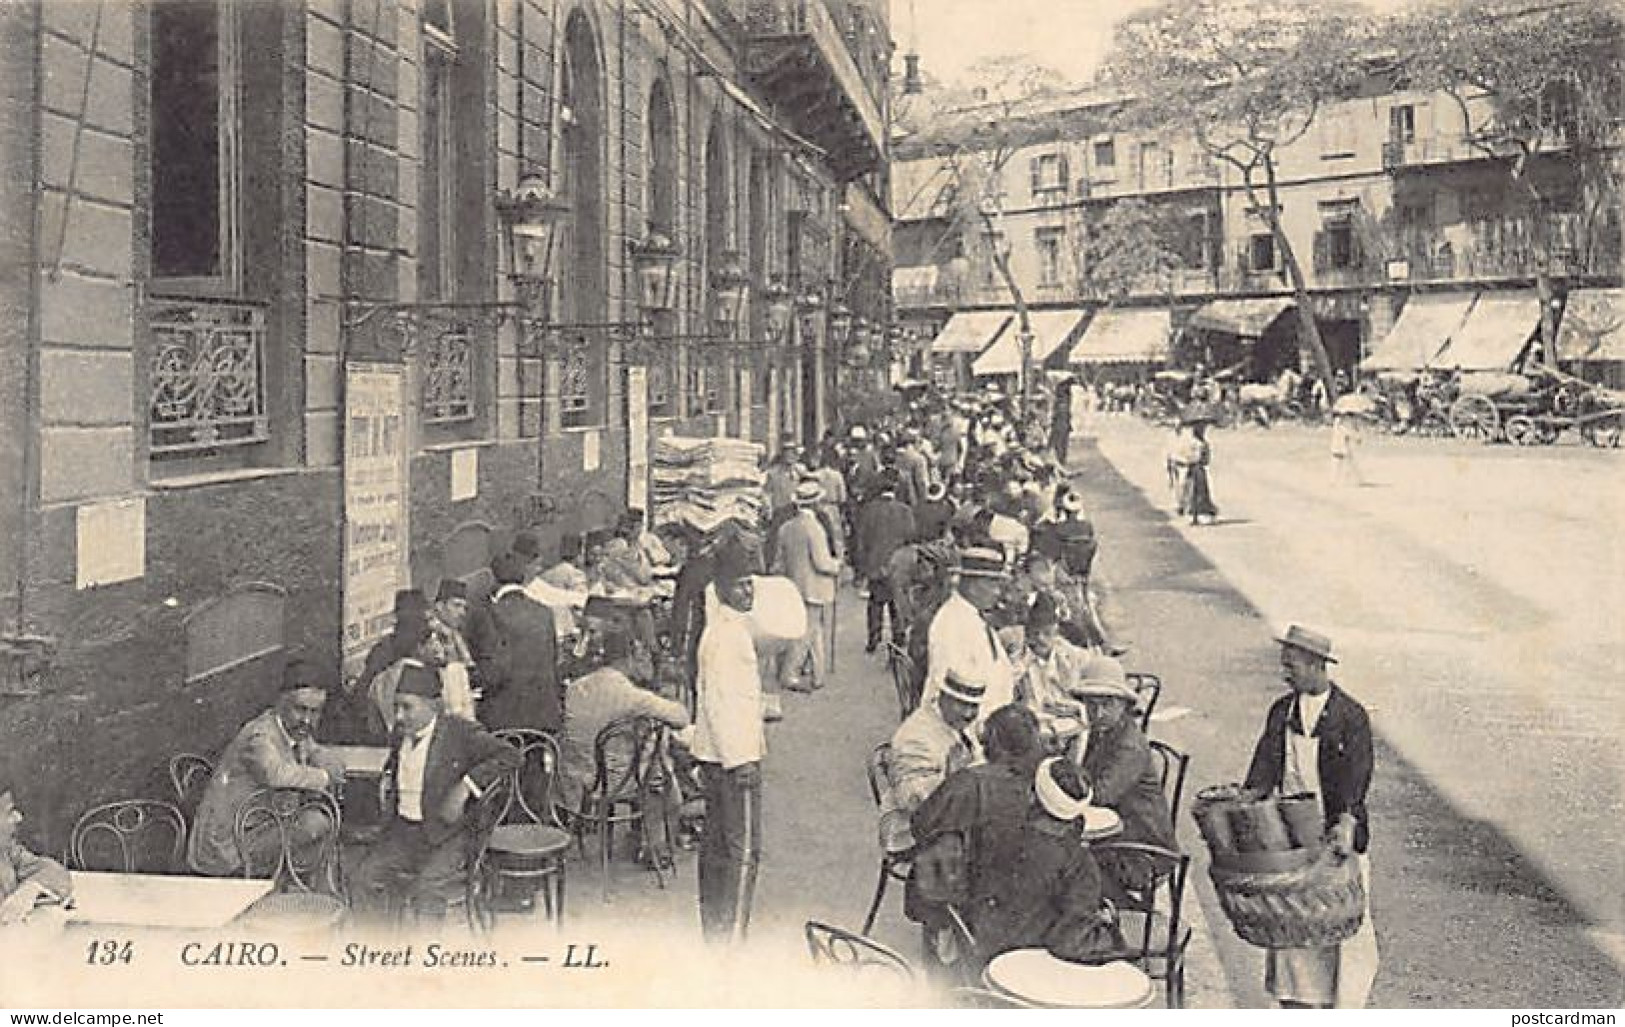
<point x="1529" y="77"/>
<point x="1246" y="79"/>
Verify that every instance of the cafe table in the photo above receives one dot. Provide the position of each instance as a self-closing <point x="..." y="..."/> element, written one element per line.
<point x="164" y="901"/>
<point x="361" y="760"/>
<point x="1037" y="978"/>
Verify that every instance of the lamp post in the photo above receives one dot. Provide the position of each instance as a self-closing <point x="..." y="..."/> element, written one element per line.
<point x="729" y="287"/>
<point x="532" y="215"/>
<point x="654" y="261"/>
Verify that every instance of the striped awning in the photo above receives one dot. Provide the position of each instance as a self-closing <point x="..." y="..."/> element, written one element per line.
<point x="971" y="331"/>
<point x="1124" y="335"/>
<point x="1424" y="328"/>
<point x="1245" y="317"/>
<point x="1052" y="329"/>
<point x="1593" y="326"/>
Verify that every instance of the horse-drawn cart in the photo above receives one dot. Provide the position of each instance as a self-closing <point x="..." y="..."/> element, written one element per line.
<point x="1536" y="408"/>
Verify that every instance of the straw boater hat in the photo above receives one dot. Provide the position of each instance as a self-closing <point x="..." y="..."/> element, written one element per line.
<point x="1103" y="678"/>
<point x="1299" y="637"/>
<point x="981" y="562"/>
<point x="809" y="493"/>
<point x="962" y="689"/>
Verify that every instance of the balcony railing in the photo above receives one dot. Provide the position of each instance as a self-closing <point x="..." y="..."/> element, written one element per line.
<point x="1452" y="148"/>
<point x="208" y="377"/>
<point x="1508" y="248"/>
<point x="779" y="21"/>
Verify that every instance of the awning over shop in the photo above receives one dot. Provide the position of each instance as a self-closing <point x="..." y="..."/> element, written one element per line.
<point x="1424" y="328"/>
<point x="1247" y="317"/>
<point x="1593" y="326"/>
<point x="1496" y="331"/>
<point x="971" y="331"/>
<point x="1052" y="329"/>
<point x="920" y="279"/>
<point x="1122" y="336"/>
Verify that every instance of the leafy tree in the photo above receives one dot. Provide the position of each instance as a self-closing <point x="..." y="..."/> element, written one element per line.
<point x="1246" y="79"/>
<point x="1529" y="76"/>
<point x="1130" y="246"/>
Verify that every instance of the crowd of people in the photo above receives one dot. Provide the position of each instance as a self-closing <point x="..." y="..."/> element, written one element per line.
<point x="971" y="544"/>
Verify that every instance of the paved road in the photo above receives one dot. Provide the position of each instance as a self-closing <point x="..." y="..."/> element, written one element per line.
<point x="1475" y="594"/>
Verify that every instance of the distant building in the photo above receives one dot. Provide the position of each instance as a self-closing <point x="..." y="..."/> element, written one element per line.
<point x="262" y="362"/>
<point x="1383" y="200"/>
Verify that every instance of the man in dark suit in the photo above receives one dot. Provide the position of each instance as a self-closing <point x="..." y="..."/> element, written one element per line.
<point x="520" y="672"/>
<point x="435" y="766"/>
<point x="884" y="523"/>
<point x="1317" y="739"/>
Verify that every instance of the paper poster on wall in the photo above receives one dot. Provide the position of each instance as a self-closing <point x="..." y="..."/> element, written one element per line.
<point x="591" y="450"/>
<point x="465" y="474"/>
<point x="375" y="504"/>
<point x="111" y="542"/>
<point x="637" y="438"/>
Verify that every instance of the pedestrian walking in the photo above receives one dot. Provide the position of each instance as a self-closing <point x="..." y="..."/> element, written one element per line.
<point x="1346" y="441"/>
<point x="1317" y="740"/>
<point x="1197" y="494"/>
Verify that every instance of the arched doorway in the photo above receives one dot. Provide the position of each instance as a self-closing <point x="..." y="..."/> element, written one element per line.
<point x="583" y="381"/>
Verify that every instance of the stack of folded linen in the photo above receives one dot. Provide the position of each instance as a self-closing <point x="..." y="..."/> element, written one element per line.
<point x="706" y="482"/>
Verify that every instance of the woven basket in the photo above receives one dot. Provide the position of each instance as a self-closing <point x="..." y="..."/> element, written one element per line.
<point x="1319" y="905"/>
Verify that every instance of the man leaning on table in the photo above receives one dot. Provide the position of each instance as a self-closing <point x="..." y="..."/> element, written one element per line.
<point x="277" y="749"/>
<point x="25" y="879"/>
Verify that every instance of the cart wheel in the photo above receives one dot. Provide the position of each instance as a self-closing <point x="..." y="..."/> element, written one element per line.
<point x="1474" y="417"/>
<point x="1549" y="431"/>
<point x="1522" y="431"/>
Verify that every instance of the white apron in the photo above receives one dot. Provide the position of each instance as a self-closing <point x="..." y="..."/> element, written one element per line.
<point x="1337" y="976"/>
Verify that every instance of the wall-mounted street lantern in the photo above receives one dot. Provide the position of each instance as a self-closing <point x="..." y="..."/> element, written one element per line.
<point x="840" y="325"/>
<point x="654" y="260"/>
<point x="532" y="216"/>
<point x="729" y="287"/>
<point x="778" y="307"/>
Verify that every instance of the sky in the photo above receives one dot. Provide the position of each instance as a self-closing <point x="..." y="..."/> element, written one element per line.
<point x="1070" y="36"/>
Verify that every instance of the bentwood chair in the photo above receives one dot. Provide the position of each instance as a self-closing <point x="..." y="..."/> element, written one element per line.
<point x="985" y="998"/>
<point x="132" y="836"/>
<point x="291" y="836"/>
<point x="1148" y="687"/>
<point x="897" y="849"/>
<point x="189" y="774"/>
<point x="901" y="665"/>
<point x="835" y="946"/>
<point x="631" y="786"/>
<point x="531" y="843"/>
<point x="1164" y="935"/>
<point x="489" y="810"/>
<point x="1172" y="765"/>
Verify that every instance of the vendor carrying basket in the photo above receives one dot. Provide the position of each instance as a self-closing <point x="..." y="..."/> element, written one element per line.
<point x="1274" y="881"/>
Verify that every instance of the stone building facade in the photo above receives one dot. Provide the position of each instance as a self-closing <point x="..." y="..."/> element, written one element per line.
<point x="217" y="214"/>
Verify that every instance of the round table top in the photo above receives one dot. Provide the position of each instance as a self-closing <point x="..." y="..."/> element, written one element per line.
<point x="1100" y="823"/>
<point x="1036" y="977"/>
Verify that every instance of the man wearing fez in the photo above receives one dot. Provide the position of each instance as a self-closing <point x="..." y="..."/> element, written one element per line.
<point x="1317" y="739"/>
<point x="729" y="743"/>
<point x="435" y="766"/>
<point x="277" y="749"/>
<point x="520" y="675"/>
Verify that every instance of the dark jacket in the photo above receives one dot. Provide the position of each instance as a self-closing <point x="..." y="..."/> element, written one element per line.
<point x="982" y="807"/>
<point x="884" y="523"/>
<point x="1345" y="756"/>
<point x="457" y="749"/>
<point x="1046" y="896"/>
<point x="520" y="675"/>
<point x="1124" y="777"/>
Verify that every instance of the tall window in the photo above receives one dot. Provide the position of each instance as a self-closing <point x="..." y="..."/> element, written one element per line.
<point x="1049" y="176"/>
<point x="194" y="142"/>
<point x="437" y="239"/>
<point x="1402" y="123"/>
<point x="1050" y="243"/>
<point x="584" y="374"/>
<point x="1105" y="155"/>
<point x="661" y="217"/>
<point x="1261" y="252"/>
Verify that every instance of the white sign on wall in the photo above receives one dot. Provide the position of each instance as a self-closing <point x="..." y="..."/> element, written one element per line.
<point x="465" y="474"/>
<point x="111" y="542"/>
<point x="375" y="504"/>
<point x="637" y="438"/>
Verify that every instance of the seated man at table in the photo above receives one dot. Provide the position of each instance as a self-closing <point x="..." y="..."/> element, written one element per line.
<point x="1121" y="773"/>
<point x="1048" y="893"/>
<point x="932" y="743"/>
<point x="614" y="691"/>
<point x="1048" y="668"/>
<point x="437" y="764"/>
<point x="25" y="879"/>
<point x="277" y="749"/>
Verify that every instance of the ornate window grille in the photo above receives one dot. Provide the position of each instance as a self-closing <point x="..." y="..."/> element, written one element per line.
<point x="660" y="386"/>
<point x="208" y="378"/>
<point x="711" y="388"/>
<point x="575" y="386"/>
<point x="448" y="377"/>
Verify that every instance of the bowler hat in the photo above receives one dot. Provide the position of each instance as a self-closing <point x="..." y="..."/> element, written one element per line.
<point x="1300" y="637"/>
